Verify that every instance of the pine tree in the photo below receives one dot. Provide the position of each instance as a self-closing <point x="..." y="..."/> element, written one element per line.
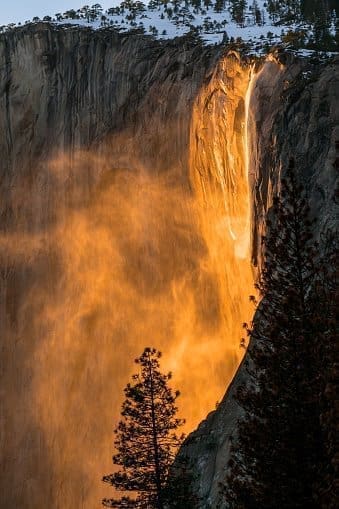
<point x="256" y="13"/>
<point x="219" y="5"/>
<point x="238" y="11"/>
<point x="280" y="447"/>
<point x="85" y="12"/>
<point x="179" y="489"/>
<point x="327" y="489"/>
<point x="273" y="9"/>
<point x="322" y="23"/>
<point x="95" y="11"/>
<point x="146" y="440"/>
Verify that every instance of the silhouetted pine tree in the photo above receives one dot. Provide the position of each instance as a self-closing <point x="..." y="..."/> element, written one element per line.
<point x="326" y="305"/>
<point x="322" y="37"/>
<point x="146" y="442"/>
<point x="280" y="445"/>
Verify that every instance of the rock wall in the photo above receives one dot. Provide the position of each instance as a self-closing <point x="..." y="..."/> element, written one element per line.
<point x="68" y="87"/>
<point x="94" y="253"/>
<point x="294" y="112"/>
<point x="122" y="176"/>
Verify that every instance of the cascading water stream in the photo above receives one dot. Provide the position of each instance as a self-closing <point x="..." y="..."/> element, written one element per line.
<point x="246" y="248"/>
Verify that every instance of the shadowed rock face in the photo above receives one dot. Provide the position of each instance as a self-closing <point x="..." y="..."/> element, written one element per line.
<point x="106" y="133"/>
<point x="294" y="112"/>
<point x="65" y="88"/>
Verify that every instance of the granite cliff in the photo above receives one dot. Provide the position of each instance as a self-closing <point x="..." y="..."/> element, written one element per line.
<point x="104" y="132"/>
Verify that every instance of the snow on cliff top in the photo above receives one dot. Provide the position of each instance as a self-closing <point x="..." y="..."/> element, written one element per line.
<point x="215" y="21"/>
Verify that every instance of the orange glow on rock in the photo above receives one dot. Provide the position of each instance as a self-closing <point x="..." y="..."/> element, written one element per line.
<point x="134" y="259"/>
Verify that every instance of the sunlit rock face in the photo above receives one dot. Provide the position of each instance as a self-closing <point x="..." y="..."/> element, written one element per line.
<point x="219" y="176"/>
<point x="124" y="223"/>
<point x="293" y="111"/>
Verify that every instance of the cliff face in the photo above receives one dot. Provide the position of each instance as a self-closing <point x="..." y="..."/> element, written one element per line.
<point x="66" y="88"/>
<point x="125" y="214"/>
<point x="115" y="227"/>
<point x="294" y="112"/>
<point x="76" y="108"/>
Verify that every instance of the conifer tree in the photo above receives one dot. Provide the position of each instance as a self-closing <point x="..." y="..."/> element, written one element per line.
<point x="238" y="8"/>
<point x="326" y="305"/>
<point x="256" y="12"/>
<point x="280" y="446"/>
<point x="146" y="442"/>
<point x="219" y="5"/>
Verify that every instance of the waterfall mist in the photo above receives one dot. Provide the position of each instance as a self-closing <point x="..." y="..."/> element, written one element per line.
<point x="102" y="256"/>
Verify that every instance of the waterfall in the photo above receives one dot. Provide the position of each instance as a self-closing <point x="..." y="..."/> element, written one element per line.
<point x="219" y="174"/>
<point x="103" y="255"/>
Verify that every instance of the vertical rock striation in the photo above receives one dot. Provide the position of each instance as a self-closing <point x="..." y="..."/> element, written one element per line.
<point x="294" y="112"/>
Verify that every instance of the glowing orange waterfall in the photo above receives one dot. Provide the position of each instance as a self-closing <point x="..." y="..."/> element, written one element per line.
<point x="248" y="153"/>
<point x="219" y="175"/>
